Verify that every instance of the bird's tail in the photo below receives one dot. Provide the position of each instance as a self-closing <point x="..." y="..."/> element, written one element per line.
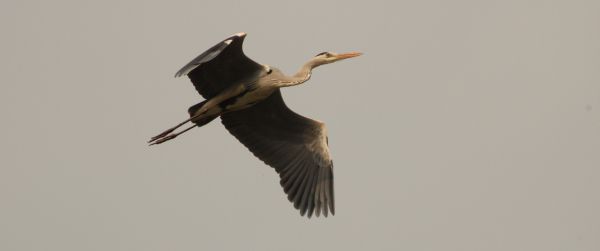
<point x="201" y="120"/>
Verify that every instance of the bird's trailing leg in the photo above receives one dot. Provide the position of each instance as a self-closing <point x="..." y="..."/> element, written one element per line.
<point x="168" y="135"/>
<point x="193" y="115"/>
<point x="170" y="130"/>
<point x="199" y="115"/>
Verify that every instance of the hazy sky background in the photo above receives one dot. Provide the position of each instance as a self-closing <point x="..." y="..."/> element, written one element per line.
<point x="466" y="125"/>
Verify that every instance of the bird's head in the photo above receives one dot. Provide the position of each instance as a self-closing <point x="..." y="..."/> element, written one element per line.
<point x="330" y="57"/>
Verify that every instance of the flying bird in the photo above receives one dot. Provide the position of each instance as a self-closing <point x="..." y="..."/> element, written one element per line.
<point x="246" y="96"/>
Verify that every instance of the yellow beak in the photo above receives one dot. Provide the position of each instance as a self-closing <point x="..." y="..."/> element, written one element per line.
<point x="348" y="55"/>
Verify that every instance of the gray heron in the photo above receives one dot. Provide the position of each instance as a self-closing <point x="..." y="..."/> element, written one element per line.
<point x="246" y="96"/>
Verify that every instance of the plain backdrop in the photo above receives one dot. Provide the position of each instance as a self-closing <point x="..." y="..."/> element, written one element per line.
<point x="466" y="125"/>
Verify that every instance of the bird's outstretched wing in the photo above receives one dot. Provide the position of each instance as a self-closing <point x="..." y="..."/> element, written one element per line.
<point x="294" y="145"/>
<point x="220" y="67"/>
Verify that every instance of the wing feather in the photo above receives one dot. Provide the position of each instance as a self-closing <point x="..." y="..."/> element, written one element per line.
<point x="220" y="67"/>
<point x="294" y="145"/>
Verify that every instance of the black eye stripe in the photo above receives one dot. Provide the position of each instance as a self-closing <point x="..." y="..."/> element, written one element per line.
<point x="322" y="53"/>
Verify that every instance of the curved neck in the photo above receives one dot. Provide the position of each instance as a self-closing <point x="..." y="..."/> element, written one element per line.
<point x="302" y="75"/>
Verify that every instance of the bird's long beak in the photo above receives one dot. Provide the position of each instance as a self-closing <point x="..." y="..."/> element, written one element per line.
<point x="348" y="55"/>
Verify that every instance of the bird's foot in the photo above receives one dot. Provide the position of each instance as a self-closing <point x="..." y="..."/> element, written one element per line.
<point x="167" y="135"/>
<point x="162" y="135"/>
<point x="162" y="139"/>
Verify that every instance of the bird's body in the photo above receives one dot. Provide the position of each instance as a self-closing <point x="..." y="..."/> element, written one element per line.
<point x="246" y="96"/>
<point x="250" y="92"/>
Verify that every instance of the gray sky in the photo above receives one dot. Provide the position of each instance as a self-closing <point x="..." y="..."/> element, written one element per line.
<point x="466" y="125"/>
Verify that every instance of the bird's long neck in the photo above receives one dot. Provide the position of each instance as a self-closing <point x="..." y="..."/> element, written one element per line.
<point x="301" y="76"/>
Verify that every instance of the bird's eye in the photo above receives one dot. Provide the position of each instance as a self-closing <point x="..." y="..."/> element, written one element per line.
<point x="323" y="53"/>
<point x="268" y="69"/>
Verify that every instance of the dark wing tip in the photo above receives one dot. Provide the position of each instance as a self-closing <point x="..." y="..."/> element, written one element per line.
<point x="311" y="191"/>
